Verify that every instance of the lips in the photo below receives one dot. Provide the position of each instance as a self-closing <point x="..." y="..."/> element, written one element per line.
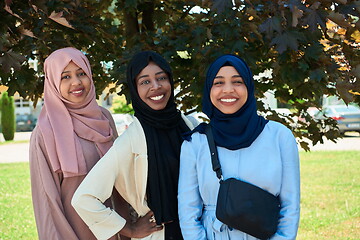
<point x="78" y="91"/>
<point x="228" y="100"/>
<point x="157" y="98"/>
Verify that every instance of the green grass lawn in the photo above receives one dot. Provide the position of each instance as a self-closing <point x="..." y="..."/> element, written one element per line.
<point x="330" y="198"/>
<point x="16" y="212"/>
<point x="330" y="195"/>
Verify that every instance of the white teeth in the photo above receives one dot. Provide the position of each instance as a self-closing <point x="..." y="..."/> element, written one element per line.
<point x="77" y="91"/>
<point x="228" y="99"/>
<point x="156" y="98"/>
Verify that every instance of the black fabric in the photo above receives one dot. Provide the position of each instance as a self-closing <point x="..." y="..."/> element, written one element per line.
<point x="247" y="208"/>
<point x="173" y="231"/>
<point x="241" y="205"/>
<point x="167" y="118"/>
<point x="163" y="130"/>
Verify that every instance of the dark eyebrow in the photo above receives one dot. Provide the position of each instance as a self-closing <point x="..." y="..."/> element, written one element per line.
<point x="69" y="71"/>
<point x="161" y="72"/>
<point x="234" y="76"/>
<point x="142" y="77"/>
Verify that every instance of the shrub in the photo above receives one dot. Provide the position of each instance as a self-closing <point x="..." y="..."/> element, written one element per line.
<point x="7" y="116"/>
<point x="119" y="105"/>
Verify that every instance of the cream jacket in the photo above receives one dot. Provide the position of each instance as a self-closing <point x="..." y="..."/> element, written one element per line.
<point x="124" y="166"/>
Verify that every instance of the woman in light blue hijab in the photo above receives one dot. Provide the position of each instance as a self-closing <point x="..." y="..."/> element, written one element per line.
<point x="250" y="148"/>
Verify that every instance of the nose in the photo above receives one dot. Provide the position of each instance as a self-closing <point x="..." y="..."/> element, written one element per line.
<point x="156" y="85"/>
<point x="228" y="87"/>
<point x="77" y="81"/>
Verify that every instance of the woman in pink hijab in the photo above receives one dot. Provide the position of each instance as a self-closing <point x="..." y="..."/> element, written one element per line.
<point x="72" y="134"/>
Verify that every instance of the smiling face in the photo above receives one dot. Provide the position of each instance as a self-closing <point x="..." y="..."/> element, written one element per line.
<point x="228" y="92"/>
<point x="75" y="84"/>
<point x="153" y="86"/>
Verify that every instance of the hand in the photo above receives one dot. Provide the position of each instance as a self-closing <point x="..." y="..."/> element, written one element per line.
<point x="143" y="227"/>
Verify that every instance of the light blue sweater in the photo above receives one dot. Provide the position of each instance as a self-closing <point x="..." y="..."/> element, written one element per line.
<point x="271" y="162"/>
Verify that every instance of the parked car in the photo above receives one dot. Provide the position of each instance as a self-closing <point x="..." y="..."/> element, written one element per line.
<point x="25" y="122"/>
<point x="347" y="117"/>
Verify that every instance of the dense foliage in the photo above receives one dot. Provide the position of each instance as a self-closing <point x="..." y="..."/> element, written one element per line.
<point x="7" y="116"/>
<point x="311" y="47"/>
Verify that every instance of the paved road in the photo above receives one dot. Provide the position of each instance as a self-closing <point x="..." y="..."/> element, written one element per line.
<point x="16" y="152"/>
<point x="19" y="152"/>
<point x="351" y="141"/>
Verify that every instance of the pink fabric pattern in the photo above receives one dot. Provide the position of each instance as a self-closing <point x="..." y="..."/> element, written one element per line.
<point x="62" y="122"/>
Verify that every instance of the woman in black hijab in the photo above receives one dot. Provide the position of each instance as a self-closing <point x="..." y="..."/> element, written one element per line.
<point x="143" y="163"/>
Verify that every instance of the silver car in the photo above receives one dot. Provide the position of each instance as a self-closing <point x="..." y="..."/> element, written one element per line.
<point x="347" y="117"/>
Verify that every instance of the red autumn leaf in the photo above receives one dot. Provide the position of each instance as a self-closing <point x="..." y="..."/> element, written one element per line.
<point x="314" y="18"/>
<point x="356" y="71"/>
<point x="270" y="26"/>
<point x="27" y="32"/>
<point x="339" y="19"/>
<point x="58" y="17"/>
<point x="296" y="15"/>
<point x="11" y="60"/>
<point x="285" y="41"/>
<point x="220" y="5"/>
<point x="344" y="89"/>
<point x="7" y="8"/>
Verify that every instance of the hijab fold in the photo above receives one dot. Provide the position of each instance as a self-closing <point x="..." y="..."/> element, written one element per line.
<point x="163" y="130"/>
<point x="240" y="129"/>
<point x="62" y="122"/>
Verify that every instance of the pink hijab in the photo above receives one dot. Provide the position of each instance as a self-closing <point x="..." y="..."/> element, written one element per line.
<point x="62" y="122"/>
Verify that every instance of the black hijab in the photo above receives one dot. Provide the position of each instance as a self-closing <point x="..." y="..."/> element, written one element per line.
<point x="163" y="130"/>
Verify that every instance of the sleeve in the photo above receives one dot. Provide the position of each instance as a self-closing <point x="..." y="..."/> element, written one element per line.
<point x="49" y="214"/>
<point x="290" y="189"/>
<point x="96" y="188"/>
<point x="189" y="199"/>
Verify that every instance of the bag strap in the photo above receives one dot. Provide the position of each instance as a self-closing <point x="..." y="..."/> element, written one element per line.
<point x="213" y="152"/>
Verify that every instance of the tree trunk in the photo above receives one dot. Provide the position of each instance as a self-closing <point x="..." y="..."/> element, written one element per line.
<point x="147" y="16"/>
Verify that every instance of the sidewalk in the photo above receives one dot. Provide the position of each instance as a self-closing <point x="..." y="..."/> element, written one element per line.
<point x="19" y="136"/>
<point x="351" y="141"/>
<point x="19" y="152"/>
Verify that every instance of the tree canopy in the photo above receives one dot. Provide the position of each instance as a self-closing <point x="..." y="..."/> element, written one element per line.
<point x="311" y="47"/>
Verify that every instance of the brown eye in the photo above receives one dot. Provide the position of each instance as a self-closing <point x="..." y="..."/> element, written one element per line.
<point x="217" y="83"/>
<point x="145" y="82"/>
<point x="162" y="78"/>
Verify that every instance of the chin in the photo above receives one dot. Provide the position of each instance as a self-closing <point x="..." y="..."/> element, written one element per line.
<point x="158" y="108"/>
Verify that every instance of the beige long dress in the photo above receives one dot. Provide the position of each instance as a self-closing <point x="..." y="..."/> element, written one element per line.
<point x="55" y="218"/>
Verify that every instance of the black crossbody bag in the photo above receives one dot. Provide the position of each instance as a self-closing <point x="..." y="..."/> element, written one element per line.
<point x="241" y="205"/>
